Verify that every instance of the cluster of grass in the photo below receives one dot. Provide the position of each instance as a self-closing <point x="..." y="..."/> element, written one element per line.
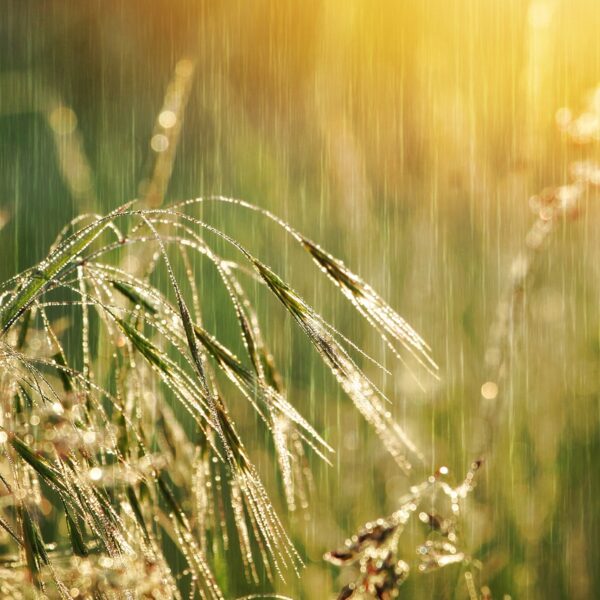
<point x="108" y="443"/>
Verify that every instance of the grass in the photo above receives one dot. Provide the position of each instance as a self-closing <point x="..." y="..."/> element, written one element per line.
<point x="115" y="453"/>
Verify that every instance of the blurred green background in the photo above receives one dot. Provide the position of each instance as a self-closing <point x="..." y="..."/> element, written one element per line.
<point x="406" y="138"/>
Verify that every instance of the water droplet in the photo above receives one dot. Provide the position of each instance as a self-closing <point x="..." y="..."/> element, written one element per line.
<point x="89" y="437"/>
<point x="167" y="119"/>
<point x="95" y="473"/>
<point x="63" y="120"/>
<point x="489" y="390"/>
<point x="159" y="142"/>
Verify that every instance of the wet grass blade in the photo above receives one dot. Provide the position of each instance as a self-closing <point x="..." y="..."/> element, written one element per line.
<point x="47" y="270"/>
<point x="137" y="510"/>
<point x="146" y="348"/>
<point x="63" y="373"/>
<point x="75" y="534"/>
<point x="131" y="294"/>
<point x="10" y="531"/>
<point x="35" y="550"/>
<point x="40" y="465"/>
<point x="24" y="329"/>
<point x="369" y="304"/>
<point x="223" y="357"/>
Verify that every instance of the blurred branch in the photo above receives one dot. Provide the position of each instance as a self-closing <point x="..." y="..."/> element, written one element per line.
<point x="551" y="206"/>
<point x="22" y="93"/>
<point x="167" y="133"/>
<point x="163" y="143"/>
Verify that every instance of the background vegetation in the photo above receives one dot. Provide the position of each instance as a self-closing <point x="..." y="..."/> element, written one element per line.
<point x="407" y="139"/>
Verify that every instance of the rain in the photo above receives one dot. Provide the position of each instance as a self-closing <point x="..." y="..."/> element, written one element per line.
<point x="299" y="300"/>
